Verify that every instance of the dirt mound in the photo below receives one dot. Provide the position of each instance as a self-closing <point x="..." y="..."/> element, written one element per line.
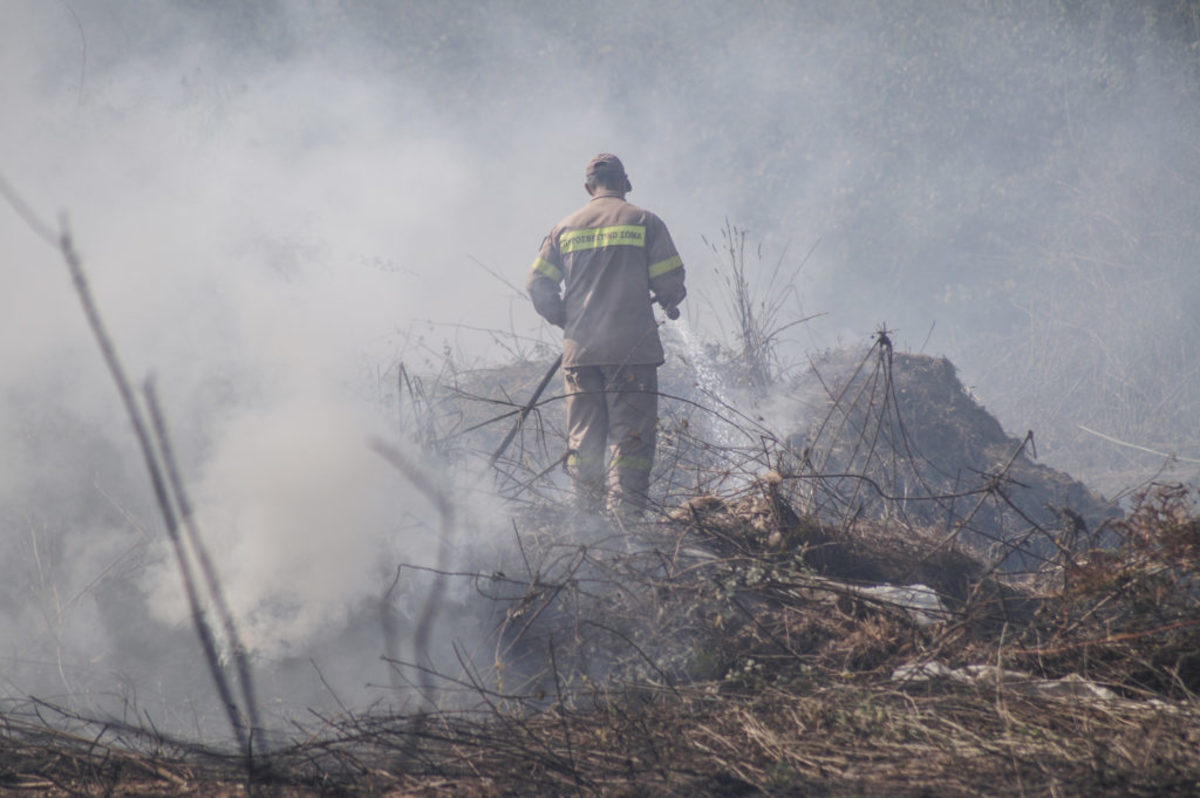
<point x="896" y="436"/>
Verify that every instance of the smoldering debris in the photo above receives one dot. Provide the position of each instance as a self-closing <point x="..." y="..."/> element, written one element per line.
<point x="742" y="636"/>
<point x="693" y="652"/>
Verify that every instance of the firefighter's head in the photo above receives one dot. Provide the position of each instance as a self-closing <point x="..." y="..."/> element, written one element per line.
<point x="605" y="172"/>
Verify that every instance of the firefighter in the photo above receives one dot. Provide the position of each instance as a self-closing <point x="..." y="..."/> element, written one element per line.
<point x="596" y="276"/>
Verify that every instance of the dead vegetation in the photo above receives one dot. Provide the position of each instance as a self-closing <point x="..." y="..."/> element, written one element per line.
<point x="749" y="641"/>
<point x="711" y="659"/>
<point x="830" y="611"/>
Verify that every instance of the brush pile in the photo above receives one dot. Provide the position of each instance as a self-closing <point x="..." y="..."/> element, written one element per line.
<point x="736" y="647"/>
<point x="836" y="611"/>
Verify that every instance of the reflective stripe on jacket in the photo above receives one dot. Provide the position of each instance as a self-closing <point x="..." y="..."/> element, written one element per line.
<point x="609" y="256"/>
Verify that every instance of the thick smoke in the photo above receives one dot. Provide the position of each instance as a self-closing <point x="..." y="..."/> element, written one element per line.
<point x="279" y="203"/>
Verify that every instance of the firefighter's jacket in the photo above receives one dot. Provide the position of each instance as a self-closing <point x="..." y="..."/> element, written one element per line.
<point x="611" y="258"/>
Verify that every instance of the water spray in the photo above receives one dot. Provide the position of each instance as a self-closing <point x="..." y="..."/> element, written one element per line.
<point x="707" y="377"/>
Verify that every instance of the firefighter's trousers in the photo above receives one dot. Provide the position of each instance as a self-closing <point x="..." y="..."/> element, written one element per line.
<point x="615" y="405"/>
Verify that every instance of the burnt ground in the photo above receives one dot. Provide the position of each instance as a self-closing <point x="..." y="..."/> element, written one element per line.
<point x="891" y="598"/>
<point x="714" y="658"/>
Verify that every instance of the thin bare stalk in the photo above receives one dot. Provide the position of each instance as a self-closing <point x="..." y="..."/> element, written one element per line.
<point x="445" y="508"/>
<point x="212" y="582"/>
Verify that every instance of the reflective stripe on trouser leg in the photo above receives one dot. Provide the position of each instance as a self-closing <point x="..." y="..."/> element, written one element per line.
<point x="587" y="434"/>
<point x="632" y="421"/>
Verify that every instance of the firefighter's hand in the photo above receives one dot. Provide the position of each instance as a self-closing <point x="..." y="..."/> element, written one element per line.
<point x="670" y="308"/>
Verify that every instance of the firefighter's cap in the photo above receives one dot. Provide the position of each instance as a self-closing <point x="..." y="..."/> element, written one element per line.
<point x="605" y="163"/>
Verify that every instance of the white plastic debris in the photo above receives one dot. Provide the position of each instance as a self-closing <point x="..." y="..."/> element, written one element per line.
<point x="1070" y="686"/>
<point x="920" y="600"/>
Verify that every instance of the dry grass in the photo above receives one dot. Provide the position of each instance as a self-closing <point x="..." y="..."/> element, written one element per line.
<point x="707" y="661"/>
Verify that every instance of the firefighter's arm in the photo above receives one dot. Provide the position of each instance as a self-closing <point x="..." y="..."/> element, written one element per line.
<point x="665" y="267"/>
<point x="669" y="296"/>
<point x="543" y="287"/>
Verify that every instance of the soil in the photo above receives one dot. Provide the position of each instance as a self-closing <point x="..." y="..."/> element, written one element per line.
<point x="917" y="446"/>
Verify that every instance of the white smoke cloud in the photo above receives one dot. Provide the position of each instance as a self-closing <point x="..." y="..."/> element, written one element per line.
<point x="297" y="513"/>
<point x="278" y="205"/>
